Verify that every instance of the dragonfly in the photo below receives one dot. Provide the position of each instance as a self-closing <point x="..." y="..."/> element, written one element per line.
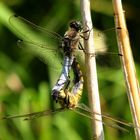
<point x="69" y="100"/>
<point x="66" y="98"/>
<point x="48" y="44"/>
<point x="68" y="44"/>
<point x="82" y="110"/>
<point x="40" y="45"/>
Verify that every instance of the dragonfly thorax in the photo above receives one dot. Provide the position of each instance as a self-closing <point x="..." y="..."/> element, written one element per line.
<point x="66" y="45"/>
<point x="70" y="41"/>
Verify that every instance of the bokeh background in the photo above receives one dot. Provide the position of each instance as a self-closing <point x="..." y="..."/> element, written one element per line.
<point x="26" y="82"/>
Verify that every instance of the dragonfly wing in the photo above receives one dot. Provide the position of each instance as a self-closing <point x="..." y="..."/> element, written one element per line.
<point x="28" y="30"/>
<point x="85" y="111"/>
<point x="39" y="41"/>
<point x="50" y="57"/>
<point x="109" y="124"/>
<point x="106" y="51"/>
<point x="35" y="115"/>
<point x="108" y="59"/>
<point x="107" y="116"/>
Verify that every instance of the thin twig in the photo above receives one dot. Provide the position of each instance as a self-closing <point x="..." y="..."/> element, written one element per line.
<point x="91" y="74"/>
<point x="128" y="64"/>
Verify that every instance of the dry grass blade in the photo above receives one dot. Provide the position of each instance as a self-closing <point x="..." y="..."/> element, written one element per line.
<point x="127" y="64"/>
<point x="91" y="74"/>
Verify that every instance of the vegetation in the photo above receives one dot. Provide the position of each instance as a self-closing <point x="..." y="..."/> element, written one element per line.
<point x="26" y="82"/>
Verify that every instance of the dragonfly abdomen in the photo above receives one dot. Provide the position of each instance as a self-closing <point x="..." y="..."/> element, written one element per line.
<point x="70" y="99"/>
<point x="64" y="77"/>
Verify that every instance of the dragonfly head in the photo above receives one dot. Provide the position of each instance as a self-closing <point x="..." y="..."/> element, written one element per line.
<point x="77" y="25"/>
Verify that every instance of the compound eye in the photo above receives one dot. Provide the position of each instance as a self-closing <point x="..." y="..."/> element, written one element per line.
<point x="76" y="25"/>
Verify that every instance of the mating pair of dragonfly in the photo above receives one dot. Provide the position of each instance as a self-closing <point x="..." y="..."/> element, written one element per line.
<point x="68" y="99"/>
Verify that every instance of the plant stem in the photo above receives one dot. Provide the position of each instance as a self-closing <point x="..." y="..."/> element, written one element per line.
<point x="91" y="74"/>
<point x="128" y="64"/>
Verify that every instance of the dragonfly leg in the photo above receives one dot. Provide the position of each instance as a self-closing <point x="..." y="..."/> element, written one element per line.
<point x="80" y="47"/>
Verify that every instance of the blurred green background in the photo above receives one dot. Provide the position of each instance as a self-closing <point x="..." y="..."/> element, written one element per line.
<point x="26" y="82"/>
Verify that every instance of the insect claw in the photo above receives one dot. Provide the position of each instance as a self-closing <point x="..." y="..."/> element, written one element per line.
<point x="119" y="54"/>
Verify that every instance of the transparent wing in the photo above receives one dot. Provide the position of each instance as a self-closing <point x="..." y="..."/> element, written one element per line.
<point x="109" y="71"/>
<point x="106" y="52"/>
<point x="83" y="110"/>
<point x="32" y="32"/>
<point x="46" y="44"/>
<point x="39" y="41"/>
<point x="51" y="57"/>
<point x="35" y="115"/>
